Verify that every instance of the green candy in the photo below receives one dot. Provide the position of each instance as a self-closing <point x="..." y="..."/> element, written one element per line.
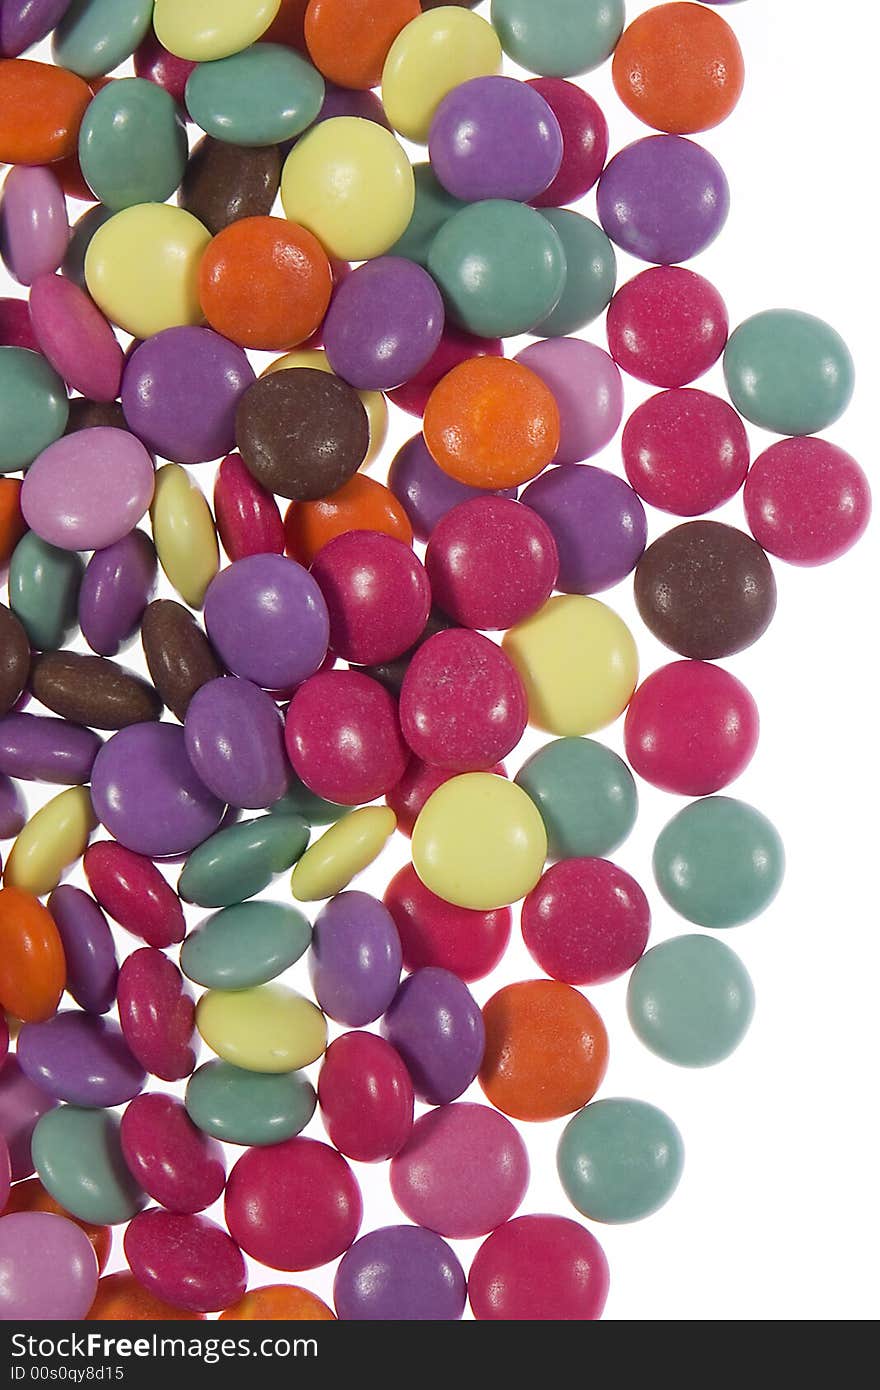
<point x="433" y="209"/>
<point x="500" y="266"/>
<point x="314" y="810"/>
<point x="127" y="115"/>
<point x="619" y="1160"/>
<point x="44" y="590"/>
<point x="249" y="1107"/>
<point x="78" y="1156"/>
<point x="262" y="96"/>
<point x="240" y="861"/>
<point x="591" y="274"/>
<point x="586" y="795"/>
<point x="33" y="407"/>
<point x="690" y="1000"/>
<point x="558" y="38"/>
<point x="719" y="862"/>
<point x="95" y="36"/>
<point x="248" y="944"/>
<point x="789" y="372"/>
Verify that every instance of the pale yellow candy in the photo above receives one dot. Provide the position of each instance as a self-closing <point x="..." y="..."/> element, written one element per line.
<point x="479" y="842"/>
<point x="432" y="55"/>
<point x="202" y="30"/>
<point x="53" y="839"/>
<point x="269" y="1028"/>
<point x="350" y="183"/>
<point x="184" y="534"/>
<point x="374" y="402"/>
<point x="578" y="662"/>
<point x="344" y="850"/>
<point x="142" y="268"/>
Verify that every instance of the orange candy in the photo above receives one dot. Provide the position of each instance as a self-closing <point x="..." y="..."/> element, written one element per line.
<point x="679" y="68"/>
<point x="348" y="40"/>
<point x="265" y="283"/>
<point x="31" y="1195"/>
<point x="492" y="423"/>
<point x="279" y="1303"/>
<point x="287" y="26"/>
<point x="67" y="171"/>
<point x="12" y="523"/>
<point x="120" y="1298"/>
<point x="361" y="504"/>
<point x="546" y="1050"/>
<point x="41" y="109"/>
<point x="33" y="970"/>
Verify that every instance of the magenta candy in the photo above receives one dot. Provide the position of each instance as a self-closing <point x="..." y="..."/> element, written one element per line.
<point x="48" y="1269"/>
<point x="667" y="326"/>
<point x="663" y="199"/>
<point x="597" y="522"/>
<point x="186" y="1260"/>
<point x="157" y="1014"/>
<point x="424" y="491"/>
<point x="13" y="808"/>
<point x="588" y="390"/>
<point x="15" y="325"/>
<point x="384" y="323"/>
<point x="437" y="1027"/>
<point x="39" y="749"/>
<point x="133" y="891"/>
<point x="267" y="620"/>
<point x="343" y="737"/>
<point x="467" y="942"/>
<point x="79" y="1058"/>
<point x="584" y="141"/>
<point x="495" y="137"/>
<point x="456" y="345"/>
<point x="174" y="1162"/>
<point x="76" y="338"/>
<point x="235" y="741"/>
<point x="248" y="519"/>
<point x="21" y="1105"/>
<point x="377" y="595"/>
<point x="420" y="780"/>
<point x="685" y="451"/>
<point x="89" y="489"/>
<point x="89" y="948"/>
<point x="400" y="1274"/>
<point x="806" y="501"/>
<point x="355" y="959"/>
<point x="586" y="921"/>
<point x="366" y="1097"/>
<point x="34" y="230"/>
<point x="155" y="64"/>
<point x="119" y="582"/>
<point x="539" y="1269"/>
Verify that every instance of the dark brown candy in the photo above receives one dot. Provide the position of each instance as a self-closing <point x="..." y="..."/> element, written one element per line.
<point x="91" y="415"/>
<point x="179" y="656"/>
<point x="302" y="433"/>
<point x="224" y="183"/>
<point x="92" y="690"/>
<point x="391" y="673"/>
<point x="705" y="589"/>
<point x="15" y="659"/>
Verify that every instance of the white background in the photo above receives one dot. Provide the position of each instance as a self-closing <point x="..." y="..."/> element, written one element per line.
<point x="777" y="1214"/>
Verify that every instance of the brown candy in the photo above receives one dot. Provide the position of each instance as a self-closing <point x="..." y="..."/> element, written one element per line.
<point x="705" y="589"/>
<point x="92" y="690"/>
<point x="91" y="415"/>
<point x="179" y="656"/>
<point x="302" y="433"/>
<point x="15" y="659"/>
<point x="224" y="183"/>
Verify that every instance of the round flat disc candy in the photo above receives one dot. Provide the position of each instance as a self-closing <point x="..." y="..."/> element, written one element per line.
<point x="719" y="862"/>
<point x="157" y="1014"/>
<point x="81" y="1059"/>
<point x="586" y="922"/>
<point x="421" y="780"/>
<point x="235" y="742"/>
<point x="31" y="1195"/>
<point x="691" y="728"/>
<point x="48" y="1269"/>
<point x="33" y="223"/>
<point x="79" y="1159"/>
<point x="128" y="113"/>
<point x="185" y="1260"/>
<point x="685" y="451"/>
<point x="706" y="590"/>
<point x="539" y="1269"/>
<point x="355" y="959"/>
<point x="343" y="737"/>
<point x="374" y="402"/>
<point x="587" y="388"/>
<point x="24" y="23"/>
<point x="152" y="244"/>
<point x="76" y="338"/>
<point x="190" y="29"/>
<point x="619" y="1160"/>
<point x="44" y="587"/>
<point x="586" y="795"/>
<point x="495" y="137"/>
<point x="558" y="38"/>
<point x="33" y="403"/>
<point x="789" y="372"/>
<point x="178" y="1165"/>
<point x="663" y="199"/>
<point x="491" y="563"/>
<point x="361" y="504"/>
<point x="341" y="853"/>
<point x="89" y="489"/>
<point x="690" y="1000"/>
<point x="90" y="690"/>
<point x="156" y="64"/>
<point x="584" y="141"/>
<point x="377" y="595"/>
<point x="432" y="56"/>
<point x="89" y="948"/>
<point x="269" y="1028"/>
<point x="455" y="346"/>
<point x="21" y="1105"/>
<point x="425" y="491"/>
<point x="263" y="95"/>
<point x="667" y="326"/>
<point x="247" y="516"/>
<point x="278" y="1303"/>
<point x="366" y="1097"/>
<point x="679" y="68"/>
<point x="245" y="945"/>
<point x="807" y="501"/>
<point x="384" y="324"/>
<point x="247" y="1107"/>
<point x="267" y="620"/>
<point x="400" y="1274"/>
<point x="226" y="182"/>
<point x="433" y="932"/>
<point x="120" y="1298"/>
<point x="349" y="42"/>
<point x="302" y="433"/>
<point x="134" y="892"/>
<point x="184" y="533"/>
<point x="33" y="973"/>
<point x="179" y="656"/>
<point x="590" y="274"/>
<point x="436" y="1026"/>
<point x="597" y="522"/>
<point x="55" y="100"/>
<point x="95" y="36"/>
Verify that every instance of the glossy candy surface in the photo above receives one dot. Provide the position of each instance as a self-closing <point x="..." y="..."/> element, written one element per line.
<point x="366" y="1097"/>
<point x="134" y="892"/>
<point x="48" y="1268"/>
<point x="32" y="965"/>
<point x="586" y="922"/>
<point x="667" y="326"/>
<point x="425" y="491"/>
<point x="34" y="403"/>
<point x="663" y="199"/>
<point x="33" y="223"/>
<point x="597" y="523"/>
<point x="179" y="656"/>
<point x="302" y="433"/>
<point x="679" y="68"/>
<point x="89" y="948"/>
<point x="88" y="490"/>
<point x="341" y="853"/>
<point x="21" y="1105"/>
<point x="117" y="586"/>
<point x="806" y="501"/>
<point x="343" y="737"/>
<point x="560" y="38"/>
<point x="455" y="346"/>
<point x="590" y="273"/>
<point x="131" y="111"/>
<point x="436" y="933"/>
<point x="429" y="58"/>
<point x="361" y="504"/>
<point x="620" y="1160"/>
<point x="184" y="534"/>
<point x="491" y="563"/>
<point x="31" y="1195"/>
<point x="384" y="324"/>
<point x="242" y="859"/>
<point x="224" y="183"/>
<point x="269" y="1028"/>
<point x="53" y="101"/>
<point x="262" y="95"/>
<point x="78" y="1156"/>
<point x="151" y="241"/>
<point x="244" y="945"/>
<point x="246" y="1107"/>
<point x="719" y="862"/>
<point x="156" y="1011"/>
<point x="789" y="372"/>
<point x="189" y="29"/>
<point x="176" y="1164"/>
<point x="235" y="743"/>
<point x="43" y="590"/>
<point x="377" y="593"/>
<point x="95" y="36"/>
<point x="355" y="959"/>
<point x="690" y="1000"/>
<point x="584" y="141"/>
<point x="539" y="1269"/>
<point x="278" y="1303"/>
<point x="495" y="137"/>
<point x="247" y="516"/>
<point x="185" y="1260"/>
<point x="436" y="1026"/>
<point x="80" y="1059"/>
<point x="401" y="1274"/>
<point x="120" y="1298"/>
<point x="685" y="451"/>
<point x="349" y="42"/>
<point x="47" y="750"/>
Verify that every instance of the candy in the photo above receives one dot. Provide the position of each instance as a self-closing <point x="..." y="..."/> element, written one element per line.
<point x="343" y="737"/>
<point x="355" y="959"/>
<point x="584" y="142"/>
<point x="620" y="1160"/>
<point x="429" y="58"/>
<point x="586" y="922"/>
<point x="491" y="563"/>
<point x="247" y="516"/>
<point x="53" y="839"/>
<point x="95" y="36"/>
<point x="590" y="273"/>
<point x="539" y="1269"/>
<point x="806" y="501"/>
<point x="132" y="110"/>
<point x="432" y="932"/>
<point x="81" y="1059"/>
<point x="298" y="801"/>
<point x="690" y="1001"/>
<point x="117" y="586"/>
<point x="455" y="346"/>
<point x="588" y="391"/>
<point x="157" y="1014"/>
<point x="184" y="534"/>
<point x="374" y="402"/>
<point x="75" y="338"/>
<point x="425" y="491"/>
<point x="40" y="111"/>
<point x="90" y="415"/>
<point x="73" y="265"/>
<point x="21" y="1105"/>
<point x="437" y="1028"/>
<point x="675" y="426"/>
<point x="132" y="890"/>
<point x="186" y="1260"/>
<point x="269" y="1028"/>
<point x="241" y="860"/>
<point x="12" y="523"/>
<point x="189" y="29"/>
<point x="120" y="1298"/>
<point x="226" y="182"/>
<point x="79" y="1159"/>
<point x="377" y="594"/>
<point x="179" y="656"/>
<point x="302" y="433"/>
<point x="679" y="68"/>
<point x="13" y="809"/>
<point x="92" y="690"/>
<point x="32" y="965"/>
<point x="88" y="490"/>
<point x="262" y="95"/>
<point x="343" y="851"/>
<point x="361" y="504"/>
<point x="432" y="209"/>
<point x="31" y="1195"/>
<point x="278" y="1303"/>
<point x="366" y="1097"/>
<point x="384" y="324"/>
<point x="789" y="372"/>
<point x="235" y="742"/>
<point x="33" y="400"/>
<point x="495" y="137"/>
<point x="559" y="38"/>
<point x="597" y="522"/>
<point x="176" y="1164"/>
<point x="15" y="660"/>
<point x="663" y="199"/>
<point x="47" y="1268"/>
<point x="152" y="244"/>
<point x="89" y="949"/>
<point x="667" y="326"/>
<point x="400" y="1274"/>
<point x="247" y="1107"/>
<point x="43" y="590"/>
<point x="33" y="223"/>
<point x="719" y="862"/>
<point x="156" y="64"/>
<point x="25" y="22"/>
<point x="15" y="325"/>
<point x="244" y="945"/>
<point x="349" y="42"/>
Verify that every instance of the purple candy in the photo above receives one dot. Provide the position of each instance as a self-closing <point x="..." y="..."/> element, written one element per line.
<point x="663" y="199"/>
<point x="355" y="959"/>
<point x="588" y="389"/>
<point x="21" y="1105"/>
<point x="34" y="230"/>
<point x="384" y="323"/>
<point x="119" y="582"/>
<point x="424" y="491"/>
<point x="89" y="948"/>
<point x="400" y="1274"/>
<point x="48" y="1269"/>
<point x="25" y="22"/>
<point x="88" y="489"/>
<point x="344" y="101"/>
<point x="598" y="523"/>
<point x="13" y="808"/>
<point x="235" y="741"/>
<point x="268" y="621"/>
<point x="180" y="391"/>
<point x="145" y="791"/>
<point x="80" y="1059"/>
<point x="41" y="749"/>
<point x="495" y="137"/>
<point x="437" y="1028"/>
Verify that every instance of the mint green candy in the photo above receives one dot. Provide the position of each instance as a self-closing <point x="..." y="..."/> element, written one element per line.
<point x="249" y="1107"/>
<point x="619" y="1160"/>
<point x="500" y="267"/>
<point x="33" y="407"/>
<point x="789" y="372"/>
<point x="690" y="1000"/>
<point x="314" y="810"/>
<point x="591" y="273"/>
<point x="129" y="115"/>
<point x="95" y="36"/>
<point x="240" y="861"/>
<point x="719" y="862"/>
<point x="558" y="38"/>
<point x="248" y="944"/>
<point x="433" y="209"/>
<point x="78" y="1157"/>
<point x="586" y="795"/>
<point x="262" y="96"/>
<point x="44" y="591"/>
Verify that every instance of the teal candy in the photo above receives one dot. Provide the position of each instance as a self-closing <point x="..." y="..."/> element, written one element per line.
<point x="500" y="266"/>
<point x="242" y="860"/>
<point x="248" y="944"/>
<point x="433" y="209"/>
<point x="719" y="862"/>
<point x="131" y="115"/>
<point x="314" y="810"/>
<point x="558" y="38"/>
<point x="619" y="1160"/>
<point x="33" y="407"/>
<point x="690" y="1000"/>
<point x="591" y="273"/>
<point x="586" y="795"/>
<point x="789" y="372"/>
<point x="249" y="1107"/>
<point x="95" y="36"/>
<point x="262" y="96"/>
<point x="44" y="591"/>
<point x="78" y="1157"/>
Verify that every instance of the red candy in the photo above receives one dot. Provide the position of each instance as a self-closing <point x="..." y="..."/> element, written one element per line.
<point x="807" y="501"/>
<point x="420" y="781"/>
<point x="180" y="1167"/>
<point x="157" y="1014"/>
<point x="132" y="890"/>
<point x="433" y="932"/>
<point x="343" y="737"/>
<point x="15" y="325"/>
<point x="366" y="1097"/>
<point x="685" y="452"/>
<point x="456" y="346"/>
<point x="667" y="326"/>
<point x="586" y="921"/>
<point x="377" y="594"/>
<point x="185" y="1260"/>
<point x="248" y="518"/>
<point x="584" y="141"/>
<point x="539" y="1269"/>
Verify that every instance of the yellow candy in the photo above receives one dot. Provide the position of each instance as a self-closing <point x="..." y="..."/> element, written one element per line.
<point x="202" y="30"/>
<point x="54" y="837"/>
<point x="578" y="662"/>
<point x="342" y="851"/>
<point x="184" y="534"/>
<point x="142" y="268"/>
<point x="433" y="54"/>
<point x="351" y="184"/>
<point x="479" y="842"/>
<point x="374" y="402"/>
<point x="269" y="1028"/>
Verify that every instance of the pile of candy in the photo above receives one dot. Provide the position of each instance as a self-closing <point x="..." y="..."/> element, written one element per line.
<point x="341" y="679"/>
